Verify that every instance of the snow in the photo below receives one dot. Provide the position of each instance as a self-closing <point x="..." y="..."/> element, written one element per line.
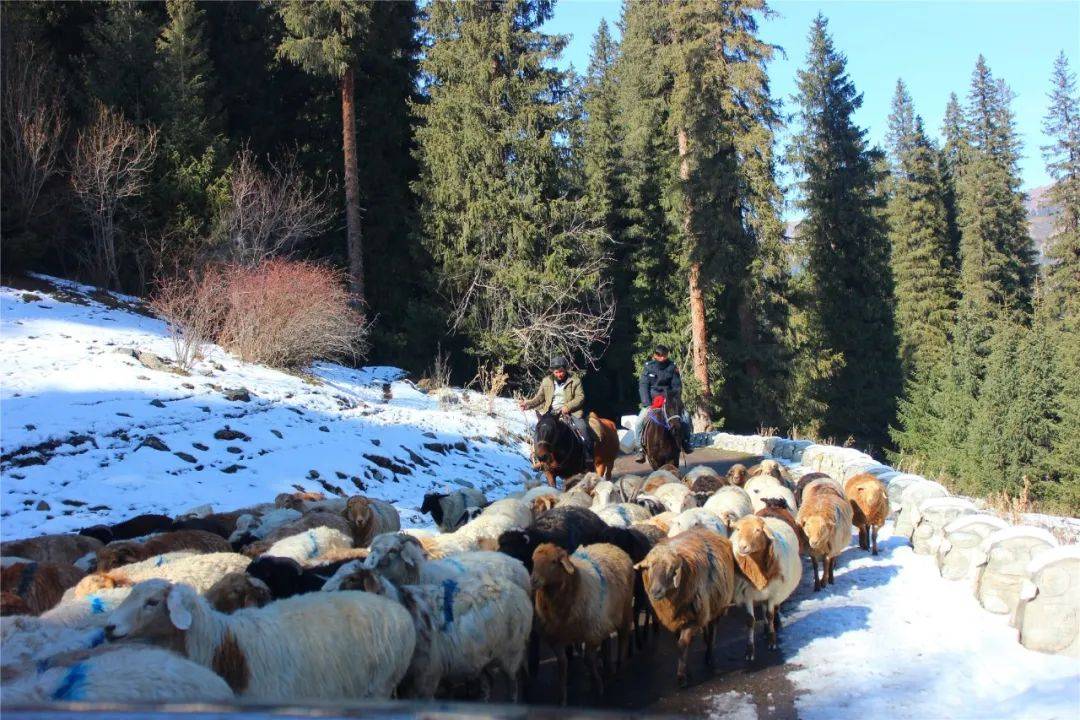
<point x="1018" y="531"/>
<point x="732" y="706"/>
<point x="892" y="635"/>
<point x="64" y="382"/>
<point x="1053" y="555"/>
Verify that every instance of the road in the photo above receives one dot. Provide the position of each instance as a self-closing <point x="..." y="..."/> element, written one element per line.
<point x="647" y="681"/>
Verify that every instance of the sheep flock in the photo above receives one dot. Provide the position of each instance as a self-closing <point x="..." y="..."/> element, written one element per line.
<point x="309" y="598"/>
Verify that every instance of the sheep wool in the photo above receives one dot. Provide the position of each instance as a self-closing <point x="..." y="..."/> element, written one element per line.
<point x="310" y="544"/>
<point x="768" y="570"/>
<point x="729" y="503"/>
<point x="623" y="514"/>
<point x="825" y="517"/>
<point x="697" y="517"/>
<point x="58" y="549"/>
<point x="869" y="507"/>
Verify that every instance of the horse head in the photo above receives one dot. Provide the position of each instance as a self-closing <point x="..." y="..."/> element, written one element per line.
<point x="544" y="436"/>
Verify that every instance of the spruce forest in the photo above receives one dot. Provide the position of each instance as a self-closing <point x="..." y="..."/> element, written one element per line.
<point x="488" y="210"/>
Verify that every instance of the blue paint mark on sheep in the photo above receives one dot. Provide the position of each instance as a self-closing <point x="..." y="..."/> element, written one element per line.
<point x="97" y="605"/>
<point x="582" y="555"/>
<point x="72" y="687"/>
<point x="314" y="551"/>
<point x="456" y="564"/>
<point x="160" y="561"/>
<point x="97" y="638"/>
<point x="43" y="665"/>
<point x="621" y="512"/>
<point x="449" y="590"/>
<point x="711" y="561"/>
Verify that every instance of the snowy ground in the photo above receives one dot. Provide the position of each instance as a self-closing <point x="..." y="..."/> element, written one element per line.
<point x="89" y="434"/>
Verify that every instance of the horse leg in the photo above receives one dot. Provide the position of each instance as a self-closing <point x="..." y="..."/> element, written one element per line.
<point x="550" y="477"/>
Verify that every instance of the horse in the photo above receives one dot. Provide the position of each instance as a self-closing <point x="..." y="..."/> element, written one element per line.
<point x="559" y="452"/>
<point x="660" y="435"/>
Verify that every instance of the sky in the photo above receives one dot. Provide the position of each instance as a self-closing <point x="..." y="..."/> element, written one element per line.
<point x="931" y="45"/>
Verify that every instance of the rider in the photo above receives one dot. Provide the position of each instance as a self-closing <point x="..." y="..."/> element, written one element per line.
<point x="660" y="377"/>
<point x="561" y="392"/>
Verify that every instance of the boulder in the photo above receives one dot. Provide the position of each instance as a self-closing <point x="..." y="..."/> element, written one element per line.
<point x="934" y="514"/>
<point x="896" y="486"/>
<point x="959" y="546"/>
<point x="1002" y="563"/>
<point x="1048" y="614"/>
<point x="910" y="498"/>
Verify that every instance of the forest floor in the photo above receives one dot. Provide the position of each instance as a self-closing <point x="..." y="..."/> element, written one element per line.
<point x="96" y="425"/>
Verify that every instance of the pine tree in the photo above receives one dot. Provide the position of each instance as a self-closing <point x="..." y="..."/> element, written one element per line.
<point x="121" y="45"/>
<point x="1062" y="155"/>
<point x="950" y="162"/>
<point x="324" y="38"/>
<point x="919" y="237"/>
<point x="847" y="278"/>
<point x="184" y="73"/>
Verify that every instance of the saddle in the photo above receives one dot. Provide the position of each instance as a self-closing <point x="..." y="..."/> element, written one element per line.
<point x="593" y="422"/>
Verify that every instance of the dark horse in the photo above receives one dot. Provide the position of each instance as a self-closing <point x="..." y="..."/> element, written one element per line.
<point x="559" y="452"/>
<point x="660" y="435"/>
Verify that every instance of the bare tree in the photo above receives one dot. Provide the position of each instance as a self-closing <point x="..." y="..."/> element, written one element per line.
<point x="270" y="212"/>
<point x="192" y="306"/>
<point x="110" y="165"/>
<point x="32" y="118"/>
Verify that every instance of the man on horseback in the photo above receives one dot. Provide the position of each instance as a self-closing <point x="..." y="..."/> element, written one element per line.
<point x="561" y="392"/>
<point x="660" y="378"/>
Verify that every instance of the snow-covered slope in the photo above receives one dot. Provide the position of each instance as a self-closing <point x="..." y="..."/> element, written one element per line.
<point x="90" y="433"/>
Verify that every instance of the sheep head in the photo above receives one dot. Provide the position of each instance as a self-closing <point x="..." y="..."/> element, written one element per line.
<point x="736" y="474"/>
<point x="662" y="571"/>
<point x="238" y="590"/>
<point x="517" y="544"/>
<point x="156" y="611"/>
<point x="819" y="529"/>
<point x="433" y="506"/>
<point x="552" y="571"/>
<point x="543" y="503"/>
<point x="397" y="556"/>
<point x="100" y="581"/>
<point x="116" y="554"/>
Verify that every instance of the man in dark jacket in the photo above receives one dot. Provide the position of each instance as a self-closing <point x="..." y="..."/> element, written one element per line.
<point x="660" y="378"/>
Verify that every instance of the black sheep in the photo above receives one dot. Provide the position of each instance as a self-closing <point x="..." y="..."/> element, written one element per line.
<point x="285" y="577"/>
<point x="129" y="529"/>
<point x="567" y="526"/>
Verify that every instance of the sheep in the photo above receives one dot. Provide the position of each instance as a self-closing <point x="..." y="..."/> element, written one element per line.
<point x="448" y="510"/>
<point x="309" y="521"/>
<point x="465" y="629"/>
<point x="540" y="491"/>
<point x="825" y="517"/>
<point x="370" y="517"/>
<point x="309" y="545"/>
<point x="703" y="481"/>
<point x="662" y="521"/>
<point x="12" y="604"/>
<point x="298" y="500"/>
<point x="762" y="487"/>
<point x="767" y="570"/>
<point x="88" y="610"/>
<point x="255" y="526"/>
<point x="325" y="646"/>
<point x="39" y="585"/>
<point x="30" y="643"/>
<point x="334" y="556"/>
<point x="773" y="468"/>
<point x="92" y="582"/>
<point x="585" y="482"/>
<point x="737" y="475"/>
<point x="628" y="486"/>
<point x="583" y="598"/>
<point x="567" y="527"/>
<point x="657" y="478"/>
<point x="778" y="508"/>
<point x="636" y="544"/>
<point x="106" y="676"/>
<point x="285" y="577"/>
<point x="605" y="493"/>
<point x="729" y="504"/>
<point x="54" y="549"/>
<point x="238" y="590"/>
<point x="126" y="552"/>
<point x="223" y="524"/>
<point x="575" y="498"/>
<point x="482" y="533"/>
<point x="690" y="581"/>
<point x="199" y="571"/>
<point x="136" y="527"/>
<point x="398" y="557"/>
<point x="651" y="503"/>
<point x="676" y="497"/>
<point x="543" y="503"/>
<point x="653" y="532"/>
<point x="869" y="507"/>
<point x="808" y="478"/>
<point x="697" y="517"/>
<point x="623" y="514"/>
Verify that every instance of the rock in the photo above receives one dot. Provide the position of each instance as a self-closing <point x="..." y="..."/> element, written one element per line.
<point x="186" y="457"/>
<point x="912" y="495"/>
<point x="358" y="483"/>
<point x="200" y="446"/>
<point x="227" y="433"/>
<point x="376" y="442"/>
<point x="934" y="515"/>
<point x="234" y="450"/>
<point x="157" y="403"/>
<point x="29" y="297"/>
<point x="154" y="443"/>
<point x="323" y="428"/>
<point x="1048" y="616"/>
<point x="956" y="553"/>
<point x="217" y="366"/>
<point x="187" y="385"/>
<point x="232" y="469"/>
<point x="1003" y="559"/>
<point x="430" y="434"/>
<point x="313" y="474"/>
<point x="43" y="506"/>
<point x="277" y="434"/>
<point x="73" y="503"/>
<point x="239" y="394"/>
<point x="389" y="464"/>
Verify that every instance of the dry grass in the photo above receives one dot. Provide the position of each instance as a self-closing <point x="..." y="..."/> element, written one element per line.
<point x="438" y="375"/>
<point x="490" y="380"/>
<point x="1012" y="508"/>
<point x="191" y="306"/>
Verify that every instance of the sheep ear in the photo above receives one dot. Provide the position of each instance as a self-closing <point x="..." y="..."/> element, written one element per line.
<point x="677" y="577"/>
<point x="179" y="613"/>
<point x="643" y="565"/>
<point x="567" y="565"/>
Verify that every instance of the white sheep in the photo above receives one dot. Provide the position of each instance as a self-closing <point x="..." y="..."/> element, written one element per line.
<point x="400" y="559"/>
<point x="481" y="533"/>
<point x="675" y="497"/>
<point x="623" y="514"/>
<point x="121" y="674"/>
<point x="576" y="497"/>
<point x="540" y="491"/>
<point x="451" y="510"/>
<point x="310" y="544"/>
<point x="697" y="517"/>
<point x="767" y="570"/>
<point x="89" y="610"/>
<point x="199" y="571"/>
<point x="252" y="526"/>
<point x="31" y="642"/>
<point x="605" y="493"/>
<point x="466" y="628"/>
<point x="319" y="646"/>
<point x="760" y="492"/>
<point x="729" y="503"/>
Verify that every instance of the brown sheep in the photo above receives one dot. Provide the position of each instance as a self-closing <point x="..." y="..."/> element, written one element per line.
<point x="309" y="521"/>
<point x="40" y="585"/>
<point x="297" y="500"/>
<point x="55" y="549"/>
<point x="369" y="517"/>
<point x="774" y="468"/>
<point x="117" y="554"/>
<point x="12" y="604"/>
<point x="223" y="524"/>
<point x="335" y="555"/>
<point x="654" y="532"/>
<point x="800" y="487"/>
<point x="737" y="475"/>
<point x="825" y="517"/>
<point x="543" y="503"/>
<point x="705" y="484"/>
<point x="662" y="521"/>
<point x="777" y="508"/>
<point x="583" y="598"/>
<point x="869" y="507"/>
<point x="236" y="591"/>
<point x="690" y="581"/>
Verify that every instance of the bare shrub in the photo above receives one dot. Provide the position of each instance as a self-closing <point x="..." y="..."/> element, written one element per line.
<point x="192" y="307"/>
<point x="32" y="118"/>
<point x="438" y="376"/>
<point x="111" y="164"/>
<point x="491" y="380"/>
<point x="1013" y="508"/>
<point x="288" y="313"/>
<point x="269" y="212"/>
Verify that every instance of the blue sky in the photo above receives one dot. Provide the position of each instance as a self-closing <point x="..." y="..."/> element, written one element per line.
<point x="931" y="45"/>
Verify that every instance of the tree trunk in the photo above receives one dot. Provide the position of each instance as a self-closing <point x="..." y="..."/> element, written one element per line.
<point x="352" y="186"/>
<point x="698" y="333"/>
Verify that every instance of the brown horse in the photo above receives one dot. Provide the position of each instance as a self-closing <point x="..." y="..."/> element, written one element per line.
<point x="559" y="452"/>
<point x="660" y="437"/>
